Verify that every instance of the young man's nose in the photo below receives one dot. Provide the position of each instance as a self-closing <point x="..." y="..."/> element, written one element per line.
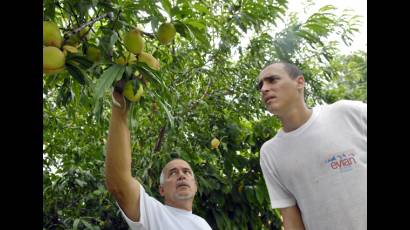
<point x="264" y="88"/>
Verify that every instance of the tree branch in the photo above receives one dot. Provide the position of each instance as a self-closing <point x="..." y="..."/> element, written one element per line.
<point x="151" y="35"/>
<point x="116" y="19"/>
<point x="193" y="105"/>
<point x="90" y="23"/>
<point x="160" y="139"/>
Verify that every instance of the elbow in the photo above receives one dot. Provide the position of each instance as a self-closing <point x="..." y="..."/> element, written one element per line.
<point x="110" y="181"/>
<point x="110" y="186"/>
<point x="116" y="183"/>
<point x="114" y="190"/>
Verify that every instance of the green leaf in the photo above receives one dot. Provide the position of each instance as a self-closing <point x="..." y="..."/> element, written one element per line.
<point x="277" y="213"/>
<point x="167" y="6"/>
<point x="75" y="224"/>
<point x="88" y="225"/>
<point x="76" y="72"/>
<point x="113" y="39"/>
<point x="149" y="73"/>
<point x="113" y="73"/>
<point x="200" y="36"/>
<point x="259" y="194"/>
<point x="165" y="106"/>
<point x="80" y="182"/>
<point x="201" y="8"/>
<point x="175" y="11"/>
<point x="250" y="194"/>
<point x="219" y="219"/>
<point x="200" y="25"/>
<point x="98" y="109"/>
<point x="204" y="183"/>
<point x="183" y="30"/>
<point x="84" y="62"/>
<point x="327" y="8"/>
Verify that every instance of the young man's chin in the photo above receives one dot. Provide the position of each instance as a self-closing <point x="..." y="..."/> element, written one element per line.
<point x="271" y="109"/>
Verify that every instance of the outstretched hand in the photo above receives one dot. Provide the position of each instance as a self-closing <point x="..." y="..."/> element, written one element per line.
<point x="118" y="99"/>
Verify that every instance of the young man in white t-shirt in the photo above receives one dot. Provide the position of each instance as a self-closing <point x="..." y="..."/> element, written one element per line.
<point x="141" y="211"/>
<point x="315" y="168"/>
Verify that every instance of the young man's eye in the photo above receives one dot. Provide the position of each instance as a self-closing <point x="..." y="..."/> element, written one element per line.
<point x="271" y="79"/>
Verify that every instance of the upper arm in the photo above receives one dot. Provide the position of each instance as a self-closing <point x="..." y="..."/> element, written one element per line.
<point x="291" y="218"/>
<point x="128" y="198"/>
<point x="279" y="195"/>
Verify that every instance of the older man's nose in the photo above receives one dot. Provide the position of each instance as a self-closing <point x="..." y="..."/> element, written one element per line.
<point x="181" y="177"/>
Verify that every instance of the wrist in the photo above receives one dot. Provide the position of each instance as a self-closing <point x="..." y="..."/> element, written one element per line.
<point x="118" y="115"/>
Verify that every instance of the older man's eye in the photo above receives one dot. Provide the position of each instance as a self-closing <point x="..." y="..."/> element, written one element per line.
<point x="172" y="174"/>
<point x="259" y="85"/>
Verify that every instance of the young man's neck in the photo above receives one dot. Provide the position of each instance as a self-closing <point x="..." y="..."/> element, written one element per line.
<point x="295" y="118"/>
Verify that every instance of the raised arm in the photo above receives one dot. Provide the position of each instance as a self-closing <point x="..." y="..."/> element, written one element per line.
<point x="292" y="219"/>
<point x="118" y="179"/>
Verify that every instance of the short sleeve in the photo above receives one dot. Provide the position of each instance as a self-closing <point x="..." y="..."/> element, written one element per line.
<point x="357" y="110"/>
<point x="279" y="196"/>
<point x="148" y="207"/>
<point x="364" y="118"/>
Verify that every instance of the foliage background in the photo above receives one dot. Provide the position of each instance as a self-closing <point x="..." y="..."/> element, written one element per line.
<point x="205" y="89"/>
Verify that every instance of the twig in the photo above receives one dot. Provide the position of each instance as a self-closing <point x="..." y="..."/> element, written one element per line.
<point x="90" y="23"/>
<point x="160" y="138"/>
<point x="192" y="106"/>
<point x="75" y="15"/>
<point x="151" y="35"/>
<point x="116" y="19"/>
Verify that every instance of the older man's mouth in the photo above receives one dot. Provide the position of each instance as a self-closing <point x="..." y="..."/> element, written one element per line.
<point x="183" y="185"/>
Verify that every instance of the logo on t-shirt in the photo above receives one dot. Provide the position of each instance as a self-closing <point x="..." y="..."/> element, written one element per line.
<point x="343" y="161"/>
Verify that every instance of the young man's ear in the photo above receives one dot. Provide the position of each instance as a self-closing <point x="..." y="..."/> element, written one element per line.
<point x="161" y="190"/>
<point x="300" y="81"/>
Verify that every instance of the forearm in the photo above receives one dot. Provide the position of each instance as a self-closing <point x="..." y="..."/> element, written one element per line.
<point x="292" y="218"/>
<point x="118" y="159"/>
<point x="118" y="178"/>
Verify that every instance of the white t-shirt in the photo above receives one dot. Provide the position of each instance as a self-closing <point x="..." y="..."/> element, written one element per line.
<point x="157" y="216"/>
<point x="322" y="166"/>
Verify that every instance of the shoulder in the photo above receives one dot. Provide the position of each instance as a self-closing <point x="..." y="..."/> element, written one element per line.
<point x="347" y="106"/>
<point x="149" y="201"/>
<point x="200" y="221"/>
<point x="268" y="148"/>
<point x="268" y="144"/>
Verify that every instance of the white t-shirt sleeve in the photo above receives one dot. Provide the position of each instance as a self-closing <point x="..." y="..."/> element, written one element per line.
<point x="355" y="109"/>
<point x="132" y="224"/>
<point x="279" y="196"/>
<point x="147" y="205"/>
<point x="363" y="116"/>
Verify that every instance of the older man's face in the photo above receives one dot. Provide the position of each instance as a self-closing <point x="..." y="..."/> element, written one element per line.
<point x="179" y="182"/>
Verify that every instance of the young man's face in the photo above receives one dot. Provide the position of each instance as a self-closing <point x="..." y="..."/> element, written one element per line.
<point x="278" y="90"/>
<point x="179" y="182"/>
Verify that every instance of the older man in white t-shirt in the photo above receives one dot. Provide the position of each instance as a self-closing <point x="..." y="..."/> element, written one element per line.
<point x="141" y="211"/>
